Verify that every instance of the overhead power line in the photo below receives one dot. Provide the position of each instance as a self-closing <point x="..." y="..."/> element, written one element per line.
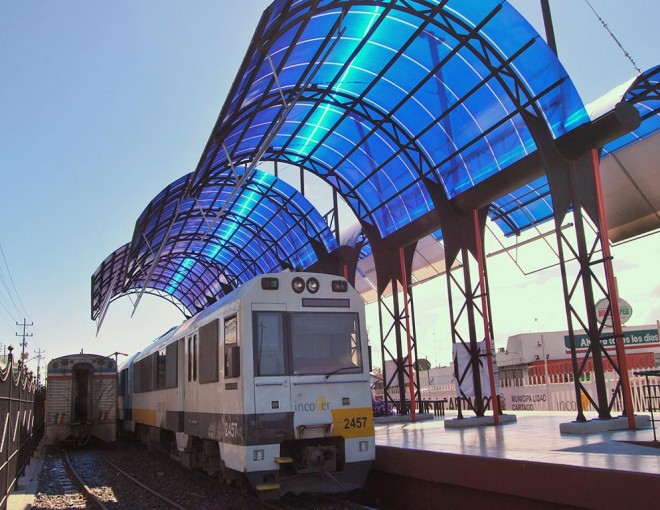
<point x="628" y="56"/>
<point x="19" y="311"/>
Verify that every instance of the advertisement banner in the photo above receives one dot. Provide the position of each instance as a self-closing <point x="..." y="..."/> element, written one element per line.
<point x="631" y="339"/>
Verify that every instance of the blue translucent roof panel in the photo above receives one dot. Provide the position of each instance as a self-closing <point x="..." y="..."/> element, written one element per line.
<point x="644" y="94"/>
<point x="379" y="97"/>
<point x="523" y="208"/>
<point x="532" y="204"/>
<point x="191" y="250"/>
<point x="108" y="279"/>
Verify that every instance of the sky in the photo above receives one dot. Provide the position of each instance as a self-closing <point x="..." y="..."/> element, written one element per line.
<point x="103" y="104"/>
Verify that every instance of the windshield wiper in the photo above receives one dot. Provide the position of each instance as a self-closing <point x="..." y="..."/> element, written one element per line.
<point x="327" y="376"/>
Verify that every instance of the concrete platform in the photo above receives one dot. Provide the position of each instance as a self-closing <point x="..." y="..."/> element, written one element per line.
<point x="480" y="421"/>
<point x="527" y="464"/>
<point x="406" y="418"/>
<point x="598" y="425"/>
<point x="22" y="498"/>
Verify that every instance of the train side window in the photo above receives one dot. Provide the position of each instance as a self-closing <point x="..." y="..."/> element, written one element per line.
<point x="269" y="343"/>
<point x="208" y="352"/>
<point x="136" y="378"/>
<point x="189" y="358"/>
<point x="232" y="350"/>
<point x="148" y="375"/>
<point x="171" y="365"/>
<point x="122" y="382"/>
<point x="161" y="363"/>
<point x="194" y="375"/>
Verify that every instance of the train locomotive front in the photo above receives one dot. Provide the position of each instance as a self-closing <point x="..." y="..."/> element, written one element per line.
<point x="312" y="427"/>
<point x="269" y="385"/>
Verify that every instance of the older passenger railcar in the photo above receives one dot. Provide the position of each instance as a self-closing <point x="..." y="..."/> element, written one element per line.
<point x="81" y="398"/>
<point x="270" y="384"/>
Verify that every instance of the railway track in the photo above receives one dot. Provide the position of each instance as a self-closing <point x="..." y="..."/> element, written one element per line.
<point x="132" y="477"/>
<point x="96" y="477"/>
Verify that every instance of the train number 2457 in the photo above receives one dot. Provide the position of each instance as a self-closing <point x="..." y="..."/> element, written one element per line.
<point x="355" y="423"/>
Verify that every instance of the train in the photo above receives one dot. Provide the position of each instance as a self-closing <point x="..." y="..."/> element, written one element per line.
<point x="81" y="399"/>
<point x="269" y="386"/>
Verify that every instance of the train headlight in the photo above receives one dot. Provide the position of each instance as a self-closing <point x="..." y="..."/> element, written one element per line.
<point x="346" y="401"/>
<point x="364" y="446"/>
<point x="258" y="455"/>
<point x="313" y="285"/>
<point x="298" y="285"/>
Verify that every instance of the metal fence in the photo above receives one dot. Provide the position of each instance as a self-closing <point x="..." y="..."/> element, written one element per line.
<point x="21" y="422"/>
<point x="556" y="393"/>
<point x="651" y="394"/>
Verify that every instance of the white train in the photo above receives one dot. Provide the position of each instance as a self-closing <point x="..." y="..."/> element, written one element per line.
<point x="81" y="398"/>
<point x="269" y="385"/>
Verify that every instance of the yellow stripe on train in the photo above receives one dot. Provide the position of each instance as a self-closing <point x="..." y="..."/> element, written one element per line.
<point x="146" y="416"/>
<point x="356" y="422"/>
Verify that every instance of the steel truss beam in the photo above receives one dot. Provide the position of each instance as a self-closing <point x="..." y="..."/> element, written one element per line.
<point x="396" y="322"/>
<point x="575" y="186"/>
<point x="469" y="309"/>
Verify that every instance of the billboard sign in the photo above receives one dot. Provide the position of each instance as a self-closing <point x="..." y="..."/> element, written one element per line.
<point x="625" y="311"/>
<point x="631" y="340"/>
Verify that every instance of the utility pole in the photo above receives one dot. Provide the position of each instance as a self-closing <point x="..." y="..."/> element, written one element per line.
<point x="116" y="355"/>
<point x="24" y="335"/>
<point x="39" y="357"/>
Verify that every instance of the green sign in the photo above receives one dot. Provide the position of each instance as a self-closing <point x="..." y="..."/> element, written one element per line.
<point x="638" y="338"/>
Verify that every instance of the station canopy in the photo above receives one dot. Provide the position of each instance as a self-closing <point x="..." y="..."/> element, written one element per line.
<point x="629" y="165"/>
<point x="387" y="101"/>
<point x="630" y="187"/>
<point x="399" y="106"/>
<point x="217" y="241"/>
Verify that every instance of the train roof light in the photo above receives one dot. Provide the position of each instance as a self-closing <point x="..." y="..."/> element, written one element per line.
<point x="313" y="285"/>
<point x="270" y="283"/>
<point x="298" y="284"/>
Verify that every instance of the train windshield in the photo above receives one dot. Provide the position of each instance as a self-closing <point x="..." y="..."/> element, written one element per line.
<point x="323" y="343"/>
<point x="314" y="343"/>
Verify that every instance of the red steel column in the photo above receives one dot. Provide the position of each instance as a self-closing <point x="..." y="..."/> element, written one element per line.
<point x="404" y="283"/>
<point x="484" y="314"/>
<point x="612" y="291"/>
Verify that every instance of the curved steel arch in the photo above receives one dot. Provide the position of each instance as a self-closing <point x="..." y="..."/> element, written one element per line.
<point x="223" y="259"/>
<point x="267" y="226"/>
<point x="502" y="69"/>
<point x="108" y="280"/>
<point x="351" y="105"/>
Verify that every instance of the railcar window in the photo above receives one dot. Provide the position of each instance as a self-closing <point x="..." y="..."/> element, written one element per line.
<point x="136" y="378"/>
<point x="195" y="357"/>
<point x="189" y="359"/>
<point x="147" y="371"/>
<point x="153" y="379"/>
<point x="122" y="382"/>
<point x="161" y="363"/>
<point x="269" y="343"/>
<point x="171" y="365"/>
<point x="208" y="353"/>
<point x="232" y="353"/>
<point x="324" y="343"/>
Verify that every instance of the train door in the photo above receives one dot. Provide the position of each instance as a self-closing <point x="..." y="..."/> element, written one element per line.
<point x="272" y="383"/>
<point x="191" y="406"/>
<point x="81" y="401"/>
<point x="181" y="381"/>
